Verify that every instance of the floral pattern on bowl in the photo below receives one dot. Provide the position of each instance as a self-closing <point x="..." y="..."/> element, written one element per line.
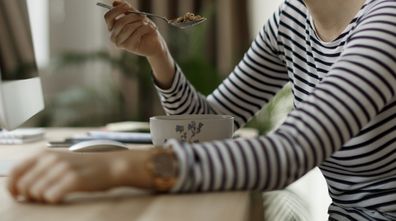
<point x="189" y="134"/>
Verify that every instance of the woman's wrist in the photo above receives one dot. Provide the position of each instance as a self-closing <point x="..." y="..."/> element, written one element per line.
<point x="155" y="169"/>
<point x="128" y="169"/>
<point x="163" y="68"/>
<point x="163" y="166"/>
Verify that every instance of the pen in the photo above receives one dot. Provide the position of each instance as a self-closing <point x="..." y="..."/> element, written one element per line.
<point x="144" y="139"/>
<point x="66" y="142"/>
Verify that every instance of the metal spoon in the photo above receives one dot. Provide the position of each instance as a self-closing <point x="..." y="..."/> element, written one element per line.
<point x="173" y="22"/>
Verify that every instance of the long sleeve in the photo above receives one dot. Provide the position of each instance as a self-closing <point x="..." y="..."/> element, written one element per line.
<point x="357" y="87"/>
<point x="254" y="81"/>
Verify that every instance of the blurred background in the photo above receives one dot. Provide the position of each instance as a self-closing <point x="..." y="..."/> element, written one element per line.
<point x="88" y="82"/>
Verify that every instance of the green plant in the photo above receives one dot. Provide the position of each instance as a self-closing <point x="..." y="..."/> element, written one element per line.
<point x="274" y="112"/>
<point x="189" y="49"/>
<point x="130" y="66"/>
<point x="90" y="105"/>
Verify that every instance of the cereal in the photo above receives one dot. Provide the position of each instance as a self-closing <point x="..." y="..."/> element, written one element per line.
<point x="188" y="17"/>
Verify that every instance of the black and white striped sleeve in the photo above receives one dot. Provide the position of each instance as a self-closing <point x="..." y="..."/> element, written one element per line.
<point x="357" y="87"/>
<point x="254" y="81"/>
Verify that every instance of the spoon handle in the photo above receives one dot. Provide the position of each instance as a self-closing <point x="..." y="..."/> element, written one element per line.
<point x="150" y="15"/>
<point x="134" y="12"/>
<point x="104" y="5"/>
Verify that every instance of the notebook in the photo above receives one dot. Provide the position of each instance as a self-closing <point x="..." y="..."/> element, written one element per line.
<point x="21" y="136"/>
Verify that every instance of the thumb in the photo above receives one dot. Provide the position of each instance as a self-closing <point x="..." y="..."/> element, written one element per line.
<point x="117" y="2"/>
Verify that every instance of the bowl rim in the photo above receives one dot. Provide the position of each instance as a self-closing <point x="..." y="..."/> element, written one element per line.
<point x="192" y="117"/>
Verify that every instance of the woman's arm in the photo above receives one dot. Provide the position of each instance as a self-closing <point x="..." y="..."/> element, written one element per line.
<point x="51" y="175"/>
<point x="139" y="35"/>
<point x="252" y="84"/>
<point x="358" y="86"/>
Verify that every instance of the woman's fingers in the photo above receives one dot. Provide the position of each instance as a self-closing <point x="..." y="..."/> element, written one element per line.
<point x="50" y="178"/>
<point x="112" y="15"/>
<point x="34" y="174"/>
<point x="120" y="8"/>
<point x="130" y="36"/>
<point x="136" y="37"/>
<point x="18" y="171"/>
<point x="126" y="32"/>
<point x="67" y="184"/>
<point x="116" y="3"/>
<point x="124" y="27"/>
<point x="119" y="25"/>
<point x="131" y="8"/>
<point x="145" y="29"/>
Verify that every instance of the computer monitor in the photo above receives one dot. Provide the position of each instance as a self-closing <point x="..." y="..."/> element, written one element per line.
<point x="21" y="94"/>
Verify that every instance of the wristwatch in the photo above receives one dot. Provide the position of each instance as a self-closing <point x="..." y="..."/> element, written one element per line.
<point x="163" y="167"/>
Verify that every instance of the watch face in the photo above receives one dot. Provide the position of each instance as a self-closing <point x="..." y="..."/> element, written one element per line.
<point x="164" y="169"/>
<point x="164" y="164"/>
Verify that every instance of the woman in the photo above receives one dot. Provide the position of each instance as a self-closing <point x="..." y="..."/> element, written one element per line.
<point x="340" y="57"/>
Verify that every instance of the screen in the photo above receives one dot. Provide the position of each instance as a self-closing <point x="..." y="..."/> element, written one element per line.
<point x="17" y="61"/>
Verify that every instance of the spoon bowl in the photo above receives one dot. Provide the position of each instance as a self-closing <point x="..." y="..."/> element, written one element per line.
<point x="187" y="24"/>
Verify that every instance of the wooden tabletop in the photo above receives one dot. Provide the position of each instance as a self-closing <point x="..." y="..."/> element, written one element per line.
<point x="124" y="203"/>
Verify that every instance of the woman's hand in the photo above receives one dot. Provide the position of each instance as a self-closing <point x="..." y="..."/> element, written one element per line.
<point x="134" y="33"/>
<point x="49" y="176"/>
<point x="139" y="35"/>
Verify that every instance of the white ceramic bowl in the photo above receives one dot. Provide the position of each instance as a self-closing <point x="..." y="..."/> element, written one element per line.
<point x="191" y="128"/>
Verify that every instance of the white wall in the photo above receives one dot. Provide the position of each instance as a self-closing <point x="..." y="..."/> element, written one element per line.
<point x="260" y="11"/>
<point x="38" y="13"/>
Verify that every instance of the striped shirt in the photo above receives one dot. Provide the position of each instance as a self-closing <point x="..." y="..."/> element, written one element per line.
<point x="343" y="121"/>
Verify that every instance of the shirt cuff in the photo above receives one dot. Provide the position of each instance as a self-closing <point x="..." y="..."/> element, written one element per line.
<point x="177" y="80"/>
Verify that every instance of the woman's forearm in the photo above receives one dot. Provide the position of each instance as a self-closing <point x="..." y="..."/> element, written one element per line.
<point x="154" y="169"/>
<point x="163" y="68"/>
<point x="128" y="169"/>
